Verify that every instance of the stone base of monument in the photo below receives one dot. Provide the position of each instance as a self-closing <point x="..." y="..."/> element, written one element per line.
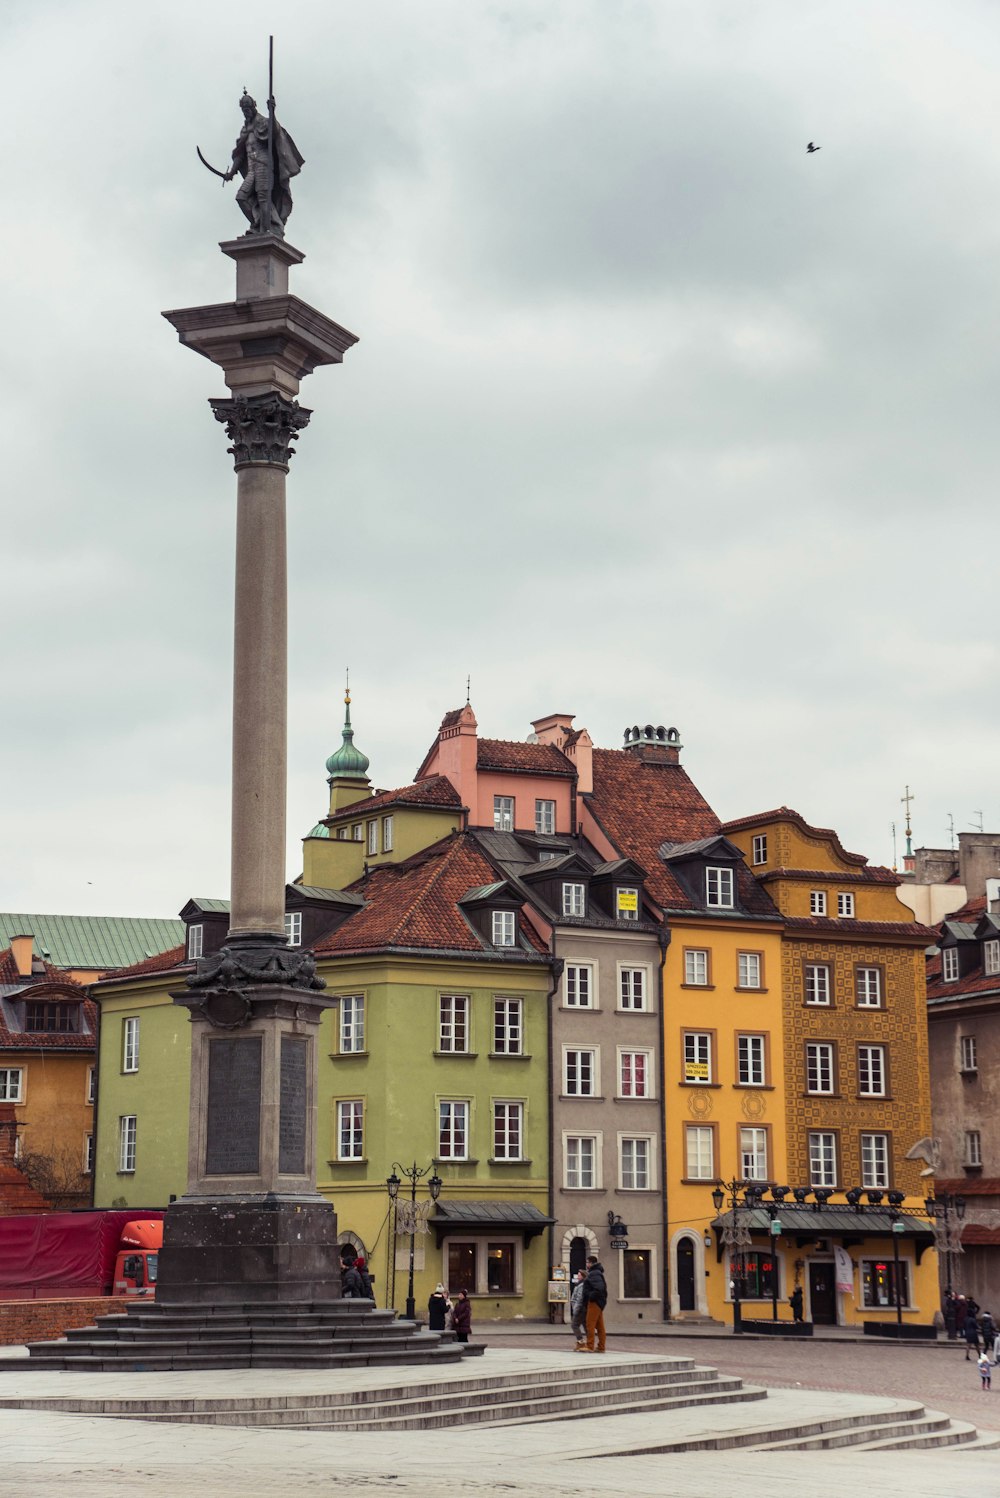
<point x="268" y="1248"/>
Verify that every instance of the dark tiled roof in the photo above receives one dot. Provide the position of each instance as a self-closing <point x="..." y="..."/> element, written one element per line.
<point x="436" y="790"/>
<point x="786" y="814"/>
<point x="522" y="759"/>
<point x="874" y="874"/>
<point x="974" y="1186"/>
<point x="826" y="925"/>
<point x="163" y="963"/>
<point x="976" y="1235"/>
<point x="53" y="986"/>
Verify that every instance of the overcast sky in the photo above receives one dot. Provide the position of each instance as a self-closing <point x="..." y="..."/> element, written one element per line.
<point x="654" y="417"/>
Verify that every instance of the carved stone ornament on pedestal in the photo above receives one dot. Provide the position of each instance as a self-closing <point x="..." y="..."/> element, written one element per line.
<point x="258" y="963"/>
<point x="261" y="428"/>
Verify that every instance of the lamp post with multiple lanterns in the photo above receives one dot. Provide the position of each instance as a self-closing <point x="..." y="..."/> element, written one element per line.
<point x="413" y="1174"/>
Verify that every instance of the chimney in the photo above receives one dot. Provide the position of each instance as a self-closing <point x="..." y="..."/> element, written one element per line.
<point x="579" y="750"/>
<point x="457" y="751"/>
<point x="654" y="746"/>
<point x="553" y="729"/>
<point x="22" y="947"/>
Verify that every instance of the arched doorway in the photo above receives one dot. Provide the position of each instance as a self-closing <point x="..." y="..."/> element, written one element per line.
<point x="578" y="1251"/>
<point x="686" y="1291"/>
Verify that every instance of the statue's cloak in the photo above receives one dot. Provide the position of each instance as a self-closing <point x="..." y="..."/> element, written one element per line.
<point x="286" y="162"/>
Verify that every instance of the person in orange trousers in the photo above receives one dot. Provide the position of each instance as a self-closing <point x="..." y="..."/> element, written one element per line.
<point x="595" y="1298"/>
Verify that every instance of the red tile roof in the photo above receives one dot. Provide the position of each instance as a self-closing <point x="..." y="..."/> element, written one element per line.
<point x="828" y="926"/>
<point x="873" y="874"/>
<point x="415" y="904"/>
<point x="786" y="814"/>
<point x="55" y="986"/>
<point x="436" y="790"/>
<point x="971" y="1186"/>
<point x="522" y="759"/>
<point x="162" y="962"/>
<point x="975" y="1234"/>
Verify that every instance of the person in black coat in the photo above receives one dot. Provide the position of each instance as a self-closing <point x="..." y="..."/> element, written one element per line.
<point x="595" y="1298"/>
<point x="352" y="1286"/>
<point x="461" y="1316"/>
<point x="971" y="1334"/>
<point x="795" y="1301"/>
<point x="437" y="1309"/>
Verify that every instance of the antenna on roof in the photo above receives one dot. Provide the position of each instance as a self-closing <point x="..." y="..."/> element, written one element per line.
<point x="468" y="691"/>
<point x="951" y="830"/>
<point x="980" y="816"/>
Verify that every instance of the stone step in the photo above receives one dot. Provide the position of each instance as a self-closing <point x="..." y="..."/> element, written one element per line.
<point x="207" y="1361"/>
<point x="775" y="1437"/>
<point x="874" y="1430"/>
<point x="130" y="1335"/>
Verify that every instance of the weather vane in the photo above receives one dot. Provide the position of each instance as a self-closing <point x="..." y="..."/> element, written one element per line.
<point x="267" y="159"/>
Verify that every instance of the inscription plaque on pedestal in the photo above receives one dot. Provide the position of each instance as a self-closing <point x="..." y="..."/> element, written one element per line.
<point x="292" y="1116"/>
<point x="233" y="1124"/>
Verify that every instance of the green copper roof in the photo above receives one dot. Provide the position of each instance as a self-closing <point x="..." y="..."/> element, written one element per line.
<point x="347" y="763"/>
<point x="98" y="941"/>
<point x="319" y="831"/>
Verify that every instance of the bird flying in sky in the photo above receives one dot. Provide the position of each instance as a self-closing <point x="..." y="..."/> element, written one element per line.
<point x="811" y="147"/>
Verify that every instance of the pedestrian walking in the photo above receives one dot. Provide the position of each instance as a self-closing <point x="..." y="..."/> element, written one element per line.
<point x="352" y="1286"/>
<point x="961" y="1311"/>
<point x="971" y="1334"/>
<point x="577" y="1311"/>
<point x="438" y="1307"/>
<point x="461" y="1316"/>
<point x="984" y="1369"/>
<point x="361" y="1266"/>
<point x="987" y="1330"/>
<point x="795" y="1301"/>
<point x="595" y="1298"/>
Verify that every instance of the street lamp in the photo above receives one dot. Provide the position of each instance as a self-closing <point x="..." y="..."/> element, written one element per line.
<point x="392" y="1185"/>
<point x="896" y="1199"/>
<point x="736" y="1237"/>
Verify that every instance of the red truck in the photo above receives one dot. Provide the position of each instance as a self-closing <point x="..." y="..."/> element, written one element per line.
<point x="62" y="1255"/>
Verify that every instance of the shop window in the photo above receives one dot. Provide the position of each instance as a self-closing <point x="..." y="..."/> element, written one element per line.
<point x="878" y="1284"/>
<point x="461" y="1268"/>
<point x="754" y="1271"/>
<point x="637" y="1278"/>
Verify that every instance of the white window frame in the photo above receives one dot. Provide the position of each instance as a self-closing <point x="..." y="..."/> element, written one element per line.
<point x="968" y="1053"/>
<point x="973" y="1148"/>
<point x="699" y="1135"/>
<point x="872" y="1069"/>
<point x="128" y="1135"/>
<point x="749" y="969"/>
<point x="508" y="1025"/>
<point x="12" y="1091"/>
<point x="504" y="928"/>
<point x="760" y="848"/>
<point x="352" y="1024"/>
<point x="627" y="1058"/>
<point x="822" y="1150"/>
<point x="574" y="1163"/>
<point x="373" y="836"/>
<point x="875" y="1161"/>
<point x="696" y="967"/>
<point x="581" y="1077"/>
<point x="991" y="958"/>
<point x="358" y="832"/>
<point x="868" y="987"/>
<point x="753" y="1153"/>
<point x="454" y="1124"/>
<point x="509" y="1112"/>
<point x="845" y="904"/>
<point x="949" y="964"/>
<point x="627" y="913"/>
<point x="454" y="1019"/>
<point x="698" y="1054"/>
<point x="573" y="996"/>
<point x="387" y="834"/>
<point x="88" y="1154"/>
<point x="91" y="1093"/>
<point x="574" y="898"/>
<point x="195" y="942"/>
<point x="821" y="1062"/>
<point x="720" y="887"/>
<point x="130" y="1044"/>
<point x="821" y="986"/>
<point x="641" y="1149"/>
<point x="751" y="1060"/>
<point x="545" y="816"/>
<point x="293" y="927"/>
<point x="350" y="1129"/>
<point x="817" y="902"/>
<point x="633" y="988"/>
<point x="503" y="813"/>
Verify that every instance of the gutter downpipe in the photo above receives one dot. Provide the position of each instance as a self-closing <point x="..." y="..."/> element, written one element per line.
<point x="663" y="941"/>
<point x="557" y="970"/>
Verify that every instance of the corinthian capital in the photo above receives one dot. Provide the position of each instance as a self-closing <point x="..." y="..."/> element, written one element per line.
<point x="261" y="428"/>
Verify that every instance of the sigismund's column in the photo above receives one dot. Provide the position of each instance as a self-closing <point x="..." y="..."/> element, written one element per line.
<point x="251" y="1226"/>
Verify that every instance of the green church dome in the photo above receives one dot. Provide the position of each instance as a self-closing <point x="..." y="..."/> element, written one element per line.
<point x="347" y="763"/>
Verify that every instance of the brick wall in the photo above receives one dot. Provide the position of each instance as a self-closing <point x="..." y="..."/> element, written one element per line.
<point x="42" y="1320"/>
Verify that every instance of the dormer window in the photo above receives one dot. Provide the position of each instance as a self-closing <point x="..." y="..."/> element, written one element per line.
<point x="195" y="942"/>
<point x="719" y="888"/>
<point x="293" y="928"/>
<point x="46" y="1018"/>
<point x="760" y="848"/>
<point x="504" y="928"/>
<point x="991" y="957"/>
<point x="949" y="964"/>
<point x="574" y="899"/>
<point x="627" y="904"/>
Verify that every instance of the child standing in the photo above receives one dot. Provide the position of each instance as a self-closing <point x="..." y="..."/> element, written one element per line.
<point x="985" y="1368"/>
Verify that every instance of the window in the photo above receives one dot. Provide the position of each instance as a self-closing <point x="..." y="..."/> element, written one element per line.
<point x="819" y="1067"/>
<point x="871" y="1070"/>
<point x="760" y="848"/>
<point x="637" y="1274"/>
<point x="817" y="902"/>
<point x="991" y="957"/>
<point x="41" y="1018"/>
<point x="699" y="1152"/>
<point x="387" y="831"/>
<point x="949" y="964"/>
<point x="501" y="1259"/>
<point x="697" y="1057"/>
<point x="126" y="1143"/>
<point x="817" y="983"/>
<point x="482" y="1267"/>
<point x="696" y="967"/>
<point x="91" y="1084"/>
<point x="580" y="1073"/>
<point x="634" y="1074"/>
<point x="545" y="816"/>
<point x="749" y="970"/>
<point x="632" y="986"/>
<point x="358" y="832"/>
<point x="573" y="899"/>
<point x="504" y="928"/>
<point x="579" y="985"/>
<point x="823" y="1158"/>
<point x="352" y="1023"/>
<point x="507" y="1031"/>
<point x="293" y="928"/>
<point x="342" y="834"/>
<point x="751" y="1052"/>
<point x="878" y="1283"/>
<point x="373" y="836"/>
<point x="634" y="1173"/>
<point x="12" y="1084"/>
<point x="130" y="1044"/>
<point x="508" y="1130"/>
<point x="627" y="904"/>
<point x="581" y="1162"/>
<point x="195" y="942"/>
<point x="719" y="888"/>
<point x="453" y="1131"/>
<point x="350" y="1131"/>
<point x="453" y="1029"/>
<point x="967" y="1051"/>
<point x="88" y="1154"/>
<point x="845" y="903"/>
<point x="753" y="1154"/>
<point x="503" y="813"/>
<point x="973" y="1147"/>
<point x="753" y="1269"/>
<point x="875" y="1161"/>
<point x="868" y="987"/>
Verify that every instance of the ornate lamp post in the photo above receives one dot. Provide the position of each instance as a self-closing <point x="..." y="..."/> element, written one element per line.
<point x="413" y="1174"/>
<point x="736" y="1237"/>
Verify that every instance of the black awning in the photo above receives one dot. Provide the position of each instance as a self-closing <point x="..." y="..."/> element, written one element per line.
<point x="488" y="1216"/>
<point x="805" y="1224"/>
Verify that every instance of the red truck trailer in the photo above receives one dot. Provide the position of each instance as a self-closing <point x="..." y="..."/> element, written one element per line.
<point x="62" y="1255"/>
